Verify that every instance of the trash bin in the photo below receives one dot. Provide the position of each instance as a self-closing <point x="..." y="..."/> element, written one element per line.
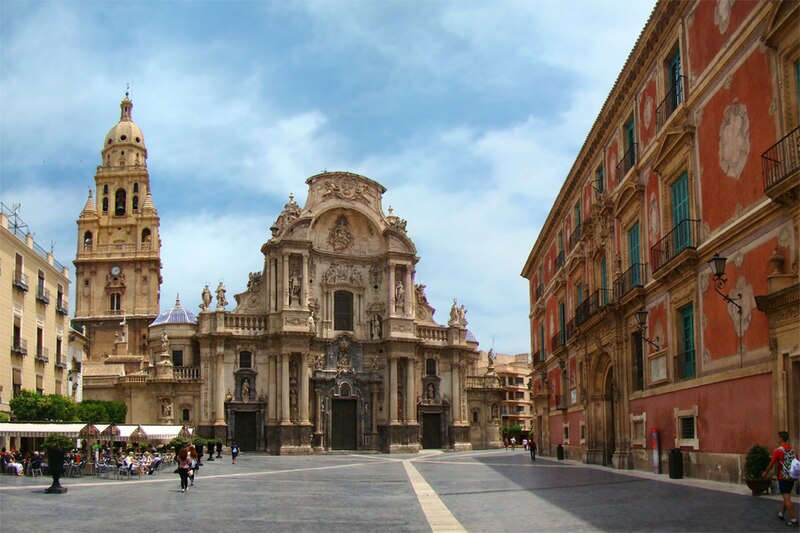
<point x="675" y="463"/>
<point x="560" y="452"/>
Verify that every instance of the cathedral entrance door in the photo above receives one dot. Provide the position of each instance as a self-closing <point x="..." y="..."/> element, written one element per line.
<point x="245" y="430"/>
<point x="343" y="425"/>
<point x="431" y="430"/>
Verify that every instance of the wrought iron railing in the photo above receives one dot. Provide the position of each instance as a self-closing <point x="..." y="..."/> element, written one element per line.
<point x="19" y="346"/>
<point x="782" y="159"/>
<point x="539" y="292"/>
<point x="61" y="361"/>
<point x="591" y="305"/>
<point x="627" y="162"/>
<point x="629" y="280"/>
<point x="575" y="237"/>
<point x="560" y="259"/>
<point x="43" y="295"/>
<point x="537" y="355"/>
<point x="557" y="341"/>
<point x="42" y="354"/>
<point x="670" y="103"/>
<point x="684" y="236"/>
<point x="62" y="307"/>
<point x="684" y="365"/>
<point x="571" y="327"/>
<point x="20" y="281"/>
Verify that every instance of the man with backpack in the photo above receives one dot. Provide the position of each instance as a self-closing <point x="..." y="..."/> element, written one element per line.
<point x="782" y="461"/>
<point x="234" y="452"/>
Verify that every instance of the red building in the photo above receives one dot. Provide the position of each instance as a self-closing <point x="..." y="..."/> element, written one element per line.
<point x="696" y="152"/>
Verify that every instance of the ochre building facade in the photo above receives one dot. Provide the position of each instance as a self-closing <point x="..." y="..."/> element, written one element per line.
<point x="694" y="153"/>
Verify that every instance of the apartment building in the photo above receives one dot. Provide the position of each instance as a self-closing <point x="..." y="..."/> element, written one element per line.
<point x="514" y="373"/>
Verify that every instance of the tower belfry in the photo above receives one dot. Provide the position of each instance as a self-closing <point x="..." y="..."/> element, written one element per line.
<point x="118" y="260"/>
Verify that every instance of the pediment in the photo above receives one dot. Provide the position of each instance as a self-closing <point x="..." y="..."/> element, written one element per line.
<point x="673" y="140"/>
<point x="630" y="194"/>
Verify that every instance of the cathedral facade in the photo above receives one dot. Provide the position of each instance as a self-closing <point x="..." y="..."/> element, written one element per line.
<point x="331" y="346"/>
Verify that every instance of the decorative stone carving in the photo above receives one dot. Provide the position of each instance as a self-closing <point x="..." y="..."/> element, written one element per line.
<point x="291" y="211"/>
<point x="341" y="238"/>
<point x="395" y="221"/>
<point x="206" y="297"/>
<point x="748" y="303"/>
<point x="245" y="390"/>
<point x="166" y="408"/>
<point x="375" y="276"/>
<point x="375" y="327"/>
<point x="653" y="223"/>
<point x="734" y="140"/>
<point x="221" y="301"/>
<point x="346" y="189"/>
<point x="648" y="110"/>
<point x="254" y="281"/>
<point x="342" y="273"/>
<point x="294" y="287"/>
<point x="420" y="292"/>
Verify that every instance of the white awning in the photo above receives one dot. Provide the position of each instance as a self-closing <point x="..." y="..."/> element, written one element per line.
<point x="45" y="429"/>
<point x="165" y="432"/>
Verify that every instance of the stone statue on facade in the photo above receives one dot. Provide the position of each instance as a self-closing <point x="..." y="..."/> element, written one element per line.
<point x="164" y="342"/>
<point x="454" y="317"/>
<point x="221" y="301"/>
<point x="166" y="408"/>
<point x="228" y="396"/>
<point x="294" y="288"/>
<point x="375" y="326"/>
<point x="206" y="297"/>
<point x="312" y="325"/>
<point x="245" y="390"/>
<point x="462" y="316"/>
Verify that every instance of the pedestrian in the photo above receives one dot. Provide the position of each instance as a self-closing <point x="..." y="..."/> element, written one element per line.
<point x="195" y="463"/>
<point x="234" y="452"/>
<point x="505" y="443"/>
<point x="532" y="449"/>
<point x="782" y="460"/>
<point x="513" y="443"/>
<point x="524" y="444"/>
<point x="184" y="464"/>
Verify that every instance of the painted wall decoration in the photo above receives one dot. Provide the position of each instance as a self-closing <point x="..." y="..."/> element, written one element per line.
<point x="722" y="14"/>
<point x="734" y="140"/>
<point x="647" y="112"/>
<point x="709" y="27"/>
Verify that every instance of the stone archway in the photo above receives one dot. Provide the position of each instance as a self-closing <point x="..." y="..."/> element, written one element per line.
<point x="600" y="411"/>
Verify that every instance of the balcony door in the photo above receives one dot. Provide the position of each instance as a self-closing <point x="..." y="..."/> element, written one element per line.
<point x="680" y="212"/>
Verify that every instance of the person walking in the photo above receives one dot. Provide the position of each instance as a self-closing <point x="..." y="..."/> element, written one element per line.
<point x="234" y="452"/>
<point x="513" y="443"/>
<point x="195" y="462"/>
<point x="184" y="464"/>
<point x="532" y="449"/>
<point x="781" y="461"/>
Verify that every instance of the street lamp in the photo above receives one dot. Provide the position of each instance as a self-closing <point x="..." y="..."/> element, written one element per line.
<point x="641" y="319"/>
<point x="717" y="265"/>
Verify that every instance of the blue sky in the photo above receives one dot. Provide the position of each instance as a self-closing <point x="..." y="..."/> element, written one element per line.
<point x="470" y="113"/>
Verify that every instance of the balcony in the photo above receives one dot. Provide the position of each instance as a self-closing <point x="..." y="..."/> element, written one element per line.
<point x="20" y="281"/>
<point x="43" y="295"/>
<point x="557" y="341"/>
<point x="560" y="259"/>
<point x="61" y="361"/>
<point x="626" y="163"/>
<point x="19" y="347"/>
<point x="684" y="366"/>
<point x="591" y="306"/>
<point x="781" y="168"/>
<point x="42" y="354"/>
<point x="575" y="237"/>
<point x="62" y="307"/>
<point x="539" y="292"/>
<point x="537" y="355"/>
<point x="684" y="236"/>
<point x="631" y="279"/>
<point x="186" y="373"/>
<point x="670" y="103"/>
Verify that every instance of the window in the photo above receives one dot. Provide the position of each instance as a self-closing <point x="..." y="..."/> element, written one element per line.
<point x="633" y="254"/>
<point x="58" y="347"/>
<point x="541" y="341"/>
<point x="115" y="301"/>
<point x="177" y="357"/>
<point x="343" y="311"/>
<point x="638" y="361"/>
<point x="630" y="143"/>
<point x="520" y="409"/>
<point x="686" y="430"/>
<point x="105" y="204"/>
<point x="17" y="382"/>
<point x="135" y="203"/>
<point x="430" y="367"/>
<point x="519" y="381"/>
<point x="135" y="187"/>
<point x="562" y="319"/>
<point x="578" y="294"/>
<point x="119" y="202"/>
<point x="87" y="241"/>
<point x="105" y="188"/>
<point x="474" y="416"/>
<point x="603" y="282"/>
<point x="186" y="415"/>
<point x="245" y="360"/>
<point x="566" y="433"/>
<point x="675" y="88"/>
<point x="39" y="384"/>
<point x="685" y="362"/>
<point x="146" y="236"/>
<point x="600" y="181"/>
<point x="39" y="342"/>
<point x="680" y="213"/>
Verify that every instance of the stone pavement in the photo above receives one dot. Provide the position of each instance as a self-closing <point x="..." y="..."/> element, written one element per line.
<point x="495" y="490"/>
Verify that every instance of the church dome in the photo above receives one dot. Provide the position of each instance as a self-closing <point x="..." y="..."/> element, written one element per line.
<point x="176" y="315"/>
<point x="125" y="135"/>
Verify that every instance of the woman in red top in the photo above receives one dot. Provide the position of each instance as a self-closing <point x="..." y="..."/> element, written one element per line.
<point x="785" y="484"/>
<point x="184" y="464"/>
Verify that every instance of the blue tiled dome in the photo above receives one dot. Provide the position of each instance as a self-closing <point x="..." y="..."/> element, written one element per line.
<point x="471" y="337"/>
<point x="176" y="315"/>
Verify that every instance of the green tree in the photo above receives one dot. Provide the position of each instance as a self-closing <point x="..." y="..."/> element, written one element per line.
<point x="102" y="412"/>
<point x="60" y="408"/>
<point x="27" y="406"/>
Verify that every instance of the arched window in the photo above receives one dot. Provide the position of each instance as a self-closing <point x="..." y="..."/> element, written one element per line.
<point x="146" y="236"/>
<point x="115" y="301"/>
<point x="186" y="416"/>
<point x="430" y="367"/>
<point x="245" y="360"/>
<point x="343" y="310"/>
<point x="105" y="188"/>
<point x="87" y="241"/>
<point x="119" y="202"/>
<point x="135" y="203"/>
<point x="105" y="205"/>
<point x="135" y="187"/>
<point x="475" y="414"/>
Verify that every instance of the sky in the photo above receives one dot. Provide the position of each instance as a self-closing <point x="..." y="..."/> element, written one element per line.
<point x="470" y="113"/>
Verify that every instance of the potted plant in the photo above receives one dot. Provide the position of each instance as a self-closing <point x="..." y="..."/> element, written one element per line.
<point x="756" y="461"/>
<point x="199" y="444"/>
<point x="56" y="446"/>
<point x="211" y="443"/>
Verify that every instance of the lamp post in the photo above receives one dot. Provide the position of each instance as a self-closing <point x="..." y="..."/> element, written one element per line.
<point x="717" y="265"/>
<point x="641" y="319"/>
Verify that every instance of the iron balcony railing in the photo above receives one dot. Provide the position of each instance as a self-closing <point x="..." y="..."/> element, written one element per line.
<point x="560" y="259"/>
<point x="571" y="327"/>
<point x="627" y="162"/>
<point x="62" y="307"/>
<point x="782" y="159"/>
<point x="19" y="346"/>
<point x="537" y="355"/>
<point x="61" y="361"/>
<point x="629" y="280"/>
<point x="684" y="236"/>
<point x="591" y="305"/>
<point x="575" y="237"/>
<point x="539" y="292"/>
<point x="42" y="354"/>
<point x="43" y="295"/>
<point x="684" y="366"/>
<point x="557" y="341"/>
<point x="670" y="103"/>
<point x="20" y="281"/>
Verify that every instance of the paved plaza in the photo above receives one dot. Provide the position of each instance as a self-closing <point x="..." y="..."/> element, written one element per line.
<point x="495" y="490"/>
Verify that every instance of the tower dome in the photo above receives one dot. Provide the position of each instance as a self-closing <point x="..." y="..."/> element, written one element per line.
<point x="176" y="315"/>
<point x="124" y="143"/>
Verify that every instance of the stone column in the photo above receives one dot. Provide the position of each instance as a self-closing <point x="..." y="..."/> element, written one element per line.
<point x="303" y="389"/>
<point x="304" y="284"/>
<point x="285" y="284"/>
<point x="285" y="416"/>
<point x="273" y="388"/>
<point x="219" y="392"/>
<point x="411" y="403"/>
<point x="408" y="311"/>
<point x="390" y="282"/>
<point x="392" y="390"/>
<point x="455" y="381"/>
<point x="374" y="410"/>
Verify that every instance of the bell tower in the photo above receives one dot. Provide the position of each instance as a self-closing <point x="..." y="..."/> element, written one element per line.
<point x="118" y="260"/>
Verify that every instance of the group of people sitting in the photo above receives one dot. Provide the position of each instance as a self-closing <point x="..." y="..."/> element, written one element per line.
<point x="131" y="463"/>
<point x="17" y="463"/>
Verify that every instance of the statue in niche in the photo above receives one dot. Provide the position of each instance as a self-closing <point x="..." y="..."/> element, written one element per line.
<point x="166" y="408"/>
<point x="375" y="326"/>
<point x="228" y="396"/>
<point x="319" y="361"/>
<point x="431" y="392"/>
<point x="399" y="293"/>
<point x="343" y="358"/>
<point x="206" y="297"/>
<point x="221" y="301"/>
<point x="312" y="325"/>
<point x="245" y="390"/>
<point x="164" y="342"/>
<point x="294" y="288"/>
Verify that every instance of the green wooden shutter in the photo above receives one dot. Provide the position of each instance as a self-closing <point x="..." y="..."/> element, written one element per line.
<point x="680" y="213"/>
<point x="562" y="323"/>
<point x="687" y="332"/>
<point x="633" y="253"/>
<point x="674" y="79"/>
<point x="542" y="341"/>
<point x="603" y="284"/>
